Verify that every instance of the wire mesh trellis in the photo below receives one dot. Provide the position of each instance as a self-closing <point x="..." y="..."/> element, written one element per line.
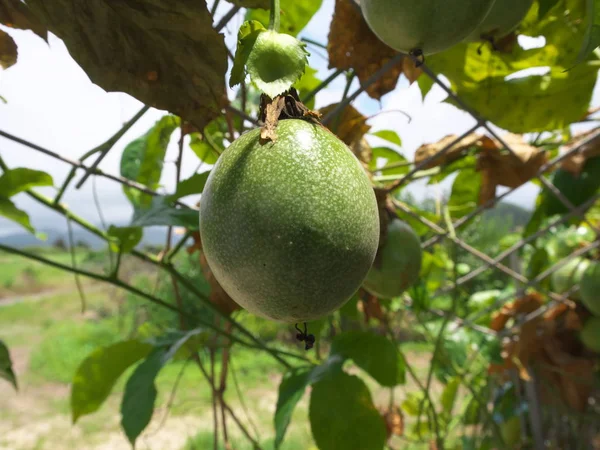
<point x="538" y="421"/>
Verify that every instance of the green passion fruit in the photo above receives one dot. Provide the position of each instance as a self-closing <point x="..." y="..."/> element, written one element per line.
<point x="569" y="275"/>
<point x="399" y="263"/>
<point x="504" y="17"/>
<point x="590" y="288"/>
<point x="425" y="26"/>
<point x="590" y="334"/>
<point x="289" y="228"/>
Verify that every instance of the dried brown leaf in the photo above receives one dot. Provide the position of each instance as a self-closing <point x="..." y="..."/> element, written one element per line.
<point x="351" y="124"/>
<point x="523" y="305"/>
<point x="8" y="50"/>
<point x="575" y="162"/>
<point x="218" y="296"/>
<point x="272" y="111"/>
<point x="501" y="168"/>
<point x="394" y="421"/>
<point x="576" y="375"/>
<point x="426" y="151"/>
<point x="166" y="54"/>
<point x="16" y="14"/>
<point x="362" y="150"/>
<point x="352" y="45"/>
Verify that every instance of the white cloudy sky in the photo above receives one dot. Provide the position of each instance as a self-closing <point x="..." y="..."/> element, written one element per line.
<point x="51" y="102"/>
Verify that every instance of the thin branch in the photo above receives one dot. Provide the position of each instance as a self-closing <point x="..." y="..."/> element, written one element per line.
<point x="214" y="400"/>
<point x="326" y="82"/>
<point x="74" y="264"/>
<point x="242" y="403"/>
<point x="227" y="17"/>
<point x="108" y="145"/>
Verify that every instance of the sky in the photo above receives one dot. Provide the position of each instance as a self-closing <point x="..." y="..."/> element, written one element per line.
<point x="51" y="102"/>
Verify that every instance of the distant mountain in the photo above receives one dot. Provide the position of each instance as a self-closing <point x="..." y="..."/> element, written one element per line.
<point x="520" y="216"/>
<point x="152" y="236"/>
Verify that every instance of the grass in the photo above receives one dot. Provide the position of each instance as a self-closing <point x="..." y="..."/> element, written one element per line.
<point x="204" y="440"/>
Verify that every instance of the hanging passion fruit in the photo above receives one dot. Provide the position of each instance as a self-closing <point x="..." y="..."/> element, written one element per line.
<point x="290" y="228"/>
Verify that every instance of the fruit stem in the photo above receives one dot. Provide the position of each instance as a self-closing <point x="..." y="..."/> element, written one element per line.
<point x="274" y="21"/>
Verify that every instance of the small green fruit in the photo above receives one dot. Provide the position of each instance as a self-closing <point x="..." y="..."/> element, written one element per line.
<point x="400" y="262"/>
<point x="505" y="16"/>
<point x="569" y="275"/>
<point x="590" y="334"/>
<point x="430" y="26"/>
<point x="290" y="228"/>
<point x="590" y="288"/>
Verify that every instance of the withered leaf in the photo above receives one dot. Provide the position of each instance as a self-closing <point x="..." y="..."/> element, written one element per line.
<point x="427" y="151"/>
<point x="394" y="421"/>
<point x="218" y="296"/>
<point x="352" y="45"/>
<point x="350" y="125"/>
<point x="498" y="167"/>
<point x="272" y="111"/>
<point x="523" y="305"/>
<point x="166" y="54"/>
<point x="8" y="50"/>
<point x="575" y="162"/>
<point x="16" y="14"/>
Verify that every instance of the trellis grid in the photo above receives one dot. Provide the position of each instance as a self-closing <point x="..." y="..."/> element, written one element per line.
<point x="488" y="262"/>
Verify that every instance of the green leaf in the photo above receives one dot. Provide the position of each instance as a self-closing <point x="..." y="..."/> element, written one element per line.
<point x="342" y="415"/>
<point x="10" y="211"/>
<point x="373" y="353"/>
<point x="6" y="370"/>
<point x="293" y="386"/>
<point x="18" y="180"/>
<point x="448" y="397"/>
<point x="126" y="238"/>
<point x="388" y="135"/>
<point x="142" y="160"/>
<point x="291" y="390"/>
<point x="166" y="54"/>
<point x="425" y="84"/>
<point x="276" y="61"/>
<point x="190" y="186"/>
<point x="468" y="162"/>
<point x="464" y="197"/>
<point x="544" y="7"/>
<point x="203" y="150"/>
<point x="162" y="213"/>
<point x="137" y="405"/>
<point x="591" y="41"/>
<point x="412" y="403"/>
<point x="247" y="35"/>
<point x="295" y="15"/>
<point x="305" y="85"/>
<point x="98" y="373"/>
<point x="384" y="156"/>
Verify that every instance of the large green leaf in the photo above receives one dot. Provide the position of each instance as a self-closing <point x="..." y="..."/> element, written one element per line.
<point x="162" y="212"/>
<point x="385" y="156"/>
<point x="448" y="397"/>
<point x="190" y="186"/>
<point x="342" y="415"/>
<point x="125" y="238"/>
<point x="98" y="373"/>
<point x="251" y="3"/>
<point x="464" y="197"/>
<point x="18" y="180"/>
<point x="137" y="405"/>
<point x="166" y="54"/>
<point x="295" y="15"/>
<point x="591" y="40"/>
<point x="489" y="81"/>
<point x="247" y="35"/>
<point x="373" y="353"/>
<point x="142" y="160"/>
<point x="292" y="388"/>
<point x="6" y="370"/>
<point x="10" y="211"/>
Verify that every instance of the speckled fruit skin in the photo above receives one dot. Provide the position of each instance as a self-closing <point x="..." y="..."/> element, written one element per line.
<point x="401" y="258"/>
<point x="291" y="228"/>
<point x="590" y="288"/>
<point x="590" y="334"/>
<point x="505" y="16"/>
<point x="569" y="275"/>
<point x="428" y="25"/>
